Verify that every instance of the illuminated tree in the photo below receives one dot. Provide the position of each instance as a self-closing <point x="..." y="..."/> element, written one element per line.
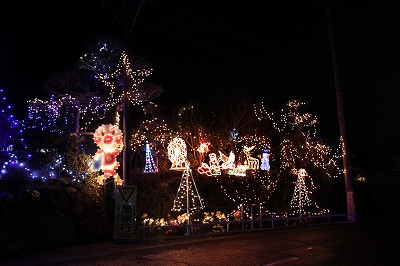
<point x="301" y="203"/>
<point x="157" y="133"/>
<point x="197" y="124"/>
<point x="294" y="146"/>
<point x="255" y="188"/>
<point x="237" y="111"/>
<point x="77" y="83"/>
<point x="150" y="166"/>
<point x="64" y="114"/>
<point x="55" y="155"/>
<point x="13" y="155"/>
<point x="10" y="129"/>
<point x="106" y="61"/>
<point x="187" y="198"/>
<point x="299" y="146"/>
<point x="234" y="107"/>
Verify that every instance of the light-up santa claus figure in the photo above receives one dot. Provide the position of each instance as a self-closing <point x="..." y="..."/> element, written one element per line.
<point x="109" y="139"/>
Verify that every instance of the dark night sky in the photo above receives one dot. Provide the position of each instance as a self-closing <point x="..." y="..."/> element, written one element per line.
<point x="277" y="50"/>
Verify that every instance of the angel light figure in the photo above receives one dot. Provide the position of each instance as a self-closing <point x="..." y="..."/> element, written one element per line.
<point x="177" y="153"/>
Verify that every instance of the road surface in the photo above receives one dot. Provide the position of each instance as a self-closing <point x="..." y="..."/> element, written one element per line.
<point x="339" y="244"/>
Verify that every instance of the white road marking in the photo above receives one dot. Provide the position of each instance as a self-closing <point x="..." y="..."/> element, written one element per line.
<point x="281" y="261"/>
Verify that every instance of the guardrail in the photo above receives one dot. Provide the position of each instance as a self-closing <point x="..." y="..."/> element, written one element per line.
<point x="236" y="226"/>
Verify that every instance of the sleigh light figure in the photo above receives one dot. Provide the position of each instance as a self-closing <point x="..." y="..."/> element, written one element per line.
<point x="109" y="140"/>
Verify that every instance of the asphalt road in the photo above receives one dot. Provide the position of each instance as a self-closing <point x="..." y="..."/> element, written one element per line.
<point x="357" y="243"/>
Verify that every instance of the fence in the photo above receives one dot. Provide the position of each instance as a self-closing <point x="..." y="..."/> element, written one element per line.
<point x="236" y="226"/>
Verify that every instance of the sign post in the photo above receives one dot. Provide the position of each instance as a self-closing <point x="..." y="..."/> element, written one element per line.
<point x="350" y="206"/>
<point x="125" y="213"/>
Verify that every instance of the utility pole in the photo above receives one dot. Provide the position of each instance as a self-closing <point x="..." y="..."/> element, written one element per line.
<point x="128" y="25"/>
<point x="343" y="135"/>
<point x="126" y="171"/>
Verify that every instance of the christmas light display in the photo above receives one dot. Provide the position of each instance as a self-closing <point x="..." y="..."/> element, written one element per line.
<point x="299" y="145"/>
<point x="202" y="149"/>
<point x="109" y="139"/>
<point x="187" y="198"/>
<point x="239" y="170"/>
<point x="265" y="161"/>
<point x="289" y="155"/>
<point x="14" y="166"/>
<point x="155" y="130"/>
<point x="63" y="113"/>
<point x="216" y="165"/>
<point x="10" y="130"/>
<point x="252" y="144"/>
<point x="158" y="134"/>
<point x="251" y="162"/>
<point x="14" y="161"/>
<point x="228" y="163"/>
<point x="301" y="204"/>
<point x="113" y="81"/>
<point x="177" y="153"/>
<point x="196" y="129"/>
<point x="260" y="142"/>
<point x="213" y="168"/>
<point x="256" y="188"/>
<point x="150" y="166"/>
<point x="94" y="110"/>
<point x="289" y="118"/>
<point x="233" y="135"/>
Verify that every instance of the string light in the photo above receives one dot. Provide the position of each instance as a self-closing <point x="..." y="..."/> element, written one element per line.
<point x="257" y="187"/>
<point x="63" y="113"/>
<point x="115" y="82"/>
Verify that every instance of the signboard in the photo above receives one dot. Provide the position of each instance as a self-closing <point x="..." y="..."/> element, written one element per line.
<point x="125" y="212"/>
<point x="350" y="206"/>
<point x="350" y="197"/>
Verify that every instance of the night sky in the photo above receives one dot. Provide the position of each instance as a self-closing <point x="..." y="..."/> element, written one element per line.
<point x="275" y="50"/>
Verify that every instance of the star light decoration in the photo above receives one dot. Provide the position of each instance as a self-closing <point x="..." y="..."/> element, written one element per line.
<point x="109" y="139"/>
<point x="301" y="204"/>
<point x="115" y="82"/>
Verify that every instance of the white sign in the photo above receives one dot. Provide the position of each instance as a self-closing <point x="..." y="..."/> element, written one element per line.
<point x="125" y="212"/>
